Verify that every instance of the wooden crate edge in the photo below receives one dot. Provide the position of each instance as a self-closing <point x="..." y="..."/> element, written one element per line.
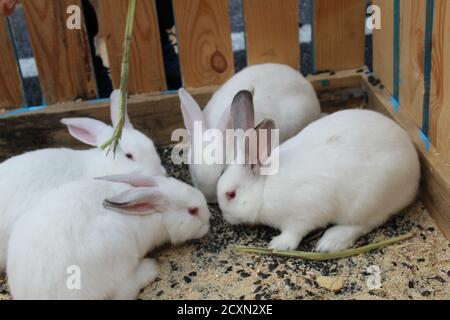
<point x="435" y="186"/>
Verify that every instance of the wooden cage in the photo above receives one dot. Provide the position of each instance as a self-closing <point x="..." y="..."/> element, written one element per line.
<point x="411" y="58"/>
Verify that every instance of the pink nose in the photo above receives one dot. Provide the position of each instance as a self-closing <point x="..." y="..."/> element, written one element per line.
<point x="231" y="195"/>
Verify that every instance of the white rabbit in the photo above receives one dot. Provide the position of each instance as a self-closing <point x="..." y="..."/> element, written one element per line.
<point x="103" y="230"/>
<point x="26" y="178"/>
<point x="280" y="93"/>
<point x="353" y="169"/>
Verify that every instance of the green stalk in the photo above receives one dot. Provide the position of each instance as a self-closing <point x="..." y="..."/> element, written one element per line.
<point x="318" y="256"/>
<point x="114" y="141"/>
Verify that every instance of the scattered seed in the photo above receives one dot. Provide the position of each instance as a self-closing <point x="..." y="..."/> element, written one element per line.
<point x="426" y="293"/>
<point x="187" y="279"/>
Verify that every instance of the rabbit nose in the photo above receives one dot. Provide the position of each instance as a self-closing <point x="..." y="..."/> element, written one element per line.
<point x="231" y="195"/>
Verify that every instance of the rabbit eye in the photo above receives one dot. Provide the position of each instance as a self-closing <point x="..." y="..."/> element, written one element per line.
<point x="231" y="195"/>
<point x="129" y="156"/>
<point x="193" y="211"/>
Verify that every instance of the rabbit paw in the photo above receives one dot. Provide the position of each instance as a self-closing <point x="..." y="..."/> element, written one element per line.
<point x="339" y="238"/>
<point x="147" y="272"/>
<point x="285" y="241"/>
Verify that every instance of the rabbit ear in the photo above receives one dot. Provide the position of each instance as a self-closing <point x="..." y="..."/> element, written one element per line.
<point x="88" y="131"/>
<point x="225" y="120"/>
<point x="243" y="111"/>
<point x="135" y="180"/>
<point x="190" y="109"/>
<point x="115" y="110"/>
<point x="139" y="201"/>
<point x="264" y="145"/>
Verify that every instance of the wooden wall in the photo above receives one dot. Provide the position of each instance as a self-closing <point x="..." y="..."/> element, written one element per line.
<point x="412" y="64"/>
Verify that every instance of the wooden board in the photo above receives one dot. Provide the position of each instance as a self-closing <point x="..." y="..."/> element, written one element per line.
<point x="440" y="82"/>
<point x="11" y="93"/>
<point x="146" y="61"/>
<point x="204" y="41"/>
<point x="383" y="42"/>
<point x="154" y="114"/>
<point x="435" y="187"/>
<point x="272" y="31"/>
<point x="62" y="56"/>
<point x="412" y="42"/>
<point x="339" y="90"/>
<point x="339" y="34"/>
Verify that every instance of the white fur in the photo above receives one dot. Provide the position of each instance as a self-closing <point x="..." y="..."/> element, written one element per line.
<point x="353" y="169"/>
<point x="70" y="227"/>
<point x="26" y="178"/>
<point x="280" y="93"/>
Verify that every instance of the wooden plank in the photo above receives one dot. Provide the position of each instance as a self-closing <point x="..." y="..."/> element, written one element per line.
<point x="146" y="65"/>
<point x="154" y="114"/>
<point x="435" y="187"/>
<point x="204" y="41"/>
<point x="62" y="56"/>
<point x="339" y="90"/>
<point x="272" y="31"/>
<point x="383" y="42"/>
<point x="11" y="93"/>
<point x="412" y="42"/>
<point x="339" y="34"/>
<point x="440" y="83"/>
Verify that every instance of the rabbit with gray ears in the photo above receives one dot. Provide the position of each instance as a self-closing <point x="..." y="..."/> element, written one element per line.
<point x="26" y="178"/>
<point x="101" y="231"/>
<point x="280" y="93"/>
<point x="353" y="169"/>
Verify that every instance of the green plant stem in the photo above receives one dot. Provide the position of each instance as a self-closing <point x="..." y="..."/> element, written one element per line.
<point x="117" y="134"/>
<point x="318" y="256"/>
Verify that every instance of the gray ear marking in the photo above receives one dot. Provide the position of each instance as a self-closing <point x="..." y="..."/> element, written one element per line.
<point x="138" y="201"/>
<point x="243" y="111"/>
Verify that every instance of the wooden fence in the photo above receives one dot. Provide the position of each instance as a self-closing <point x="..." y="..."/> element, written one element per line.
<point x="204" y="36"/>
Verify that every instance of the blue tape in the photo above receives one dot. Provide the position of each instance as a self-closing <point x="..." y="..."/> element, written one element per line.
<point x="428" y="65"/>
<point x="396" y="104"/>
<point x="397" y="50"/>
<point x="425" y="140"/>
<point x="20" y="111"/>
<point x="89" y="102"/>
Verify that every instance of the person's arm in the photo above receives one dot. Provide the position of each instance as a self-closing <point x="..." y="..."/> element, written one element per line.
<point x="7" y="7"/>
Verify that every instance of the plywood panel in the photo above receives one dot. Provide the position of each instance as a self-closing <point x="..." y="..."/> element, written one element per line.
<point x="11" y="93"/>
<point x="339" y="34"/>
<point x="272" y="28"/>
<point x="204" y="40"/>
<point x="62" y="56"/>
<point x="412" y="42"/>
<point x="383" y="45"/>
<point x="440" y="83"/>
<point x="146" y="61"/>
